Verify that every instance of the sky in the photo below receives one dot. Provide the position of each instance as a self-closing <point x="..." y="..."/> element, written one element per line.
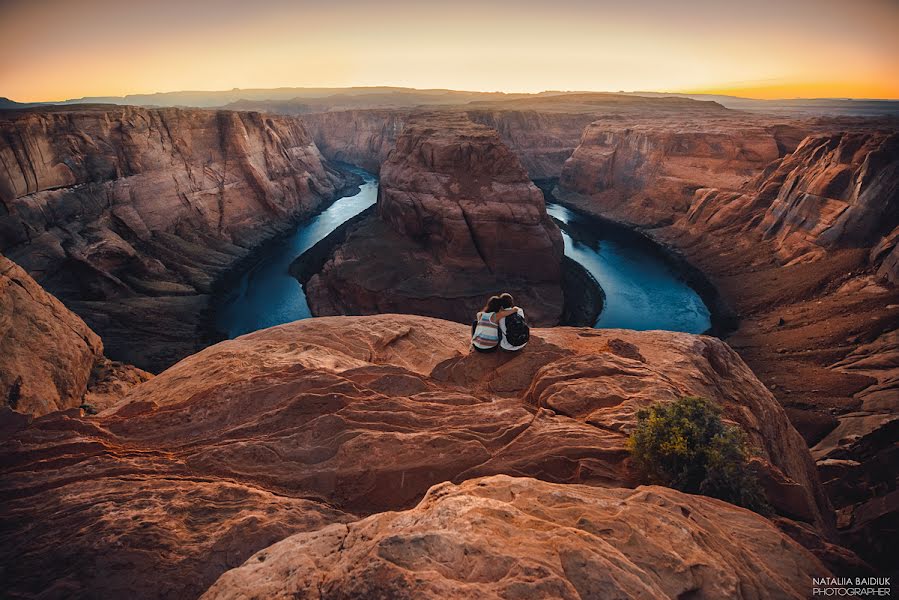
<point x="60" y="49"/>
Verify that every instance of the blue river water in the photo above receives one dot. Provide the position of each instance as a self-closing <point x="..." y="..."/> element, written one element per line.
<point x="267" y="294"/>
<point x="642" y="290"/>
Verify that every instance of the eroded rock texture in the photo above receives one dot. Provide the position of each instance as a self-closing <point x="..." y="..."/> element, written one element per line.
<point x="328" y="420"/>
<point x="360" y="137"/>
<point x="129" y="215"/>
<point x="834" y="192"/>
<point x="646" y="171"/>
<point x="804" y="249"/>
<point x="458" y="219"/>
<point x="504" y="537"/>
<point x="49" y="358"/>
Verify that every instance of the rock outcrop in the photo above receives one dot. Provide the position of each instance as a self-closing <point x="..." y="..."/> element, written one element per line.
<point x="328" y="420"/>
<point x="804" y="250"/>
<point x="49" y="358"/>
<point x="129" y="215"/>
<point x="503" y="537"/>
<point x="646" y="171"/>
<point x="361" y="137"/>
<point x="834" y="192"/>
<point x="458" y="219"/>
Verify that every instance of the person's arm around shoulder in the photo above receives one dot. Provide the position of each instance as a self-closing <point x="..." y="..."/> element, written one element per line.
<point x="502" y="314"/>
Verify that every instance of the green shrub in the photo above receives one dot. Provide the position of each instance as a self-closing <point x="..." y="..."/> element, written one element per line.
<point x="686" y="446"/>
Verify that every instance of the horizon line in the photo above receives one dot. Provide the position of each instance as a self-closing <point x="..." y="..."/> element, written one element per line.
<point x="446" y="89"/>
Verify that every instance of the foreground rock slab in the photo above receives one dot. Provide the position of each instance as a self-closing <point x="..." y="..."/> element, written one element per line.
<point x="505" y="537"/>
<point x="329" y="420"/>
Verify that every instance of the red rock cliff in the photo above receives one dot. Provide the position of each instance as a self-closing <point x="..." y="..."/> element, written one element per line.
<point x="129" y="214"/>
<point x="458" y="220"/>
<point x="49" y="359"/>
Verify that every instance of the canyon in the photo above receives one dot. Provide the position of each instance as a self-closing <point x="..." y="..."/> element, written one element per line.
<point x="457" y="220"/>
<point x="131" y="215"/>
<point x="358" y="453"/>
<point x="794" y="221"/>
<point x="801" y="248"/>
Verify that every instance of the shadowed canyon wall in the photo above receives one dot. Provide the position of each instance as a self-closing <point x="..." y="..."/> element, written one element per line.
<point x="129" y="215"/>
<point x="49" y="359"/>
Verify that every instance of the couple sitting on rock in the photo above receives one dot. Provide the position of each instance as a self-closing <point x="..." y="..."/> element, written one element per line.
<point x="500" y="325"/>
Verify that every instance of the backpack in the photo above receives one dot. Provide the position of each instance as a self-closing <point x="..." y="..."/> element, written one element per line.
<point x="517" y="331"/>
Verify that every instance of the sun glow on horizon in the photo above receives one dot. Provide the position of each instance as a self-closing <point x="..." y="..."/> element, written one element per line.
<point x="57" y="50"/>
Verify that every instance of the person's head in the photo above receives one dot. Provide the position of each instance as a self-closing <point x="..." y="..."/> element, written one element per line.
<point x="506" y="300"/>
<point x="494" y="304"/>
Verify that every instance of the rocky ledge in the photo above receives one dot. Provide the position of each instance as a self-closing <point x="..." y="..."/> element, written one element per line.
<point x="800" y="237"/>
<point x="49" y="358"/>
<point x="505" y="537"/>
<point x="321" y="426"/>
<point x="457" y="220"/>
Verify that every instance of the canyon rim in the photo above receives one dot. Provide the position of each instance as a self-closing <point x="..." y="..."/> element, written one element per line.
<point x="727" y="238"/>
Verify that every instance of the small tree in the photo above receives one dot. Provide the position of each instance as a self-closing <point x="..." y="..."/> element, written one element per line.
<point x="685" y="445"/>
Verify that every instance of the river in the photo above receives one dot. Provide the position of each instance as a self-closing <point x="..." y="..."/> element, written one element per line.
<point x="267" y="294"/>
<point x="642" y="290"/>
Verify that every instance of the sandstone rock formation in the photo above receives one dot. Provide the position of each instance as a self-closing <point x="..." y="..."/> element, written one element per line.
<point x="542" y="140"/>
<point x="834" y="191"/>
<point x="129" y="215"/>
<point x="328" y="420"/>
<point x="804" y="251"/>
<point x="49" y="359"/>
<point x="645" y="171"/>
<point x="504" y="537"/>
<point x="458" y="220"/>
<point x="360" y="137"/>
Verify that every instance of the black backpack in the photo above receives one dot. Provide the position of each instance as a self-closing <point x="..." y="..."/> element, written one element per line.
<point x="517" y="331"/>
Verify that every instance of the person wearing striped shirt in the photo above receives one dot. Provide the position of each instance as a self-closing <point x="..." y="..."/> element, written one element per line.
<point x="486" y="334"/>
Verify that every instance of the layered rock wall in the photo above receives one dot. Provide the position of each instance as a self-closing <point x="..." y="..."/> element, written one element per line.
<point x="458" y="220"/>
<point x="646" y="171"/>
<point x="805" y="251"/>
<point x="360" y="137"/>
<point x="129" y="215"/>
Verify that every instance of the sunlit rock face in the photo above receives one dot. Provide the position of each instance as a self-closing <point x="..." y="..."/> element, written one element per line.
<point x="129" y="215"/>
<point x="327" y="421"/>
<point x="458" y="220"/>
<point x="834" y="192"/>
<point x="646" y="171"/>
<point x="49" y="359"/>
<point x="517" y="537"/>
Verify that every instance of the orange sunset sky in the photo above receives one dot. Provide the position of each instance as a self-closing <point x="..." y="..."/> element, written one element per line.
<point x="55" y="49"/>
